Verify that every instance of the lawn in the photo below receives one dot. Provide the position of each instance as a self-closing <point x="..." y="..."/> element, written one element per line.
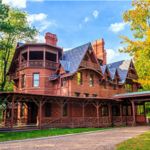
<point x="141" y="142"/>
<point x="11" y="136"/>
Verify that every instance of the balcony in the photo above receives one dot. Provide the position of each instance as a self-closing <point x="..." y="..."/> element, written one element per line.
<point x="38" y="63"/>
<point x="133" y="76"/>
<point x="14" y="76"/>
<point x="89" y="64"/>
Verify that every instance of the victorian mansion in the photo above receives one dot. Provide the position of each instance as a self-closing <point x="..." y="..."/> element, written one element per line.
<point x="74" y="88"/>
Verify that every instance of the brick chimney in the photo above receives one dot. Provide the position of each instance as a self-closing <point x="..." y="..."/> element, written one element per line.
<point x="51" y="39"/>
<point x="99" y="50"/>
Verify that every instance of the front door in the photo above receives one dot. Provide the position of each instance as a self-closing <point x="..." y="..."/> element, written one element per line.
<point x="34" y="112"/>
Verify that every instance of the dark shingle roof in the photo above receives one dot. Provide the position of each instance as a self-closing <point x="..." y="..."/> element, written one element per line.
<point x="122" y="68"/>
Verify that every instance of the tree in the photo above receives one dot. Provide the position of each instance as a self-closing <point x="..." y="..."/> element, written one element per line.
<point x="14" y="27"/>
<point x="139" y="48"/>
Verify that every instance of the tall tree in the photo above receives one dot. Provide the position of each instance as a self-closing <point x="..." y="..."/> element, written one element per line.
<point x="14" y="27"/>
<point x="139" y="48"/>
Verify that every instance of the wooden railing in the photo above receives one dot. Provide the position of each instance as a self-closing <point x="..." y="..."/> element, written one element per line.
<point x="89" y="64"/>
<point x="14" y="76"/>
<point x="54" y="122"/>
<point x="122" y="120"/>
<point x="133" y="76"/>
<point x="38" y="63"/>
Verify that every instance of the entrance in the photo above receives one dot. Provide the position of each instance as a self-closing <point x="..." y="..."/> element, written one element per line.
<point x="34" y="112"/>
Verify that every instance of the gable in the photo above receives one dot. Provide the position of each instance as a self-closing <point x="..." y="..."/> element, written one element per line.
<point x="132" y="74"/>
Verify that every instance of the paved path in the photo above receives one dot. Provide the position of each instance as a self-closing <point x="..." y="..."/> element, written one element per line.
<point x="105" y="140"/>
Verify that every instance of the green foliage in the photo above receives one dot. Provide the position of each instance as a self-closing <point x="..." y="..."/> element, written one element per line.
<point x="14" y="27"/>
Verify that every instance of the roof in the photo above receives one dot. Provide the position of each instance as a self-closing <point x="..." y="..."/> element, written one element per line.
<point x="133" y="94"/>
<point x="112" y="72"/>
<point x="103" y="68"/>
<point x="55" y="96"/>
<point x="122" y="68"/>
<point x="65" y="65"/>
<point x="72" y="58"/>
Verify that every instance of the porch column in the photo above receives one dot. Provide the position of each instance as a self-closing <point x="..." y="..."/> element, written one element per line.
<point x="12" y="112"/>
<point x="83" y="111"/>
<point x="97" y="107"/>
<point x="5" y="117"/>
<point x="120" y="109"/>
<point x="40" y="112"/>
<point x="145" y="113"/>
<point x="28" y="58"/>
<point x="133" y="112"/>
<point x="61" y="106"/>
<point x="109" y="111"/>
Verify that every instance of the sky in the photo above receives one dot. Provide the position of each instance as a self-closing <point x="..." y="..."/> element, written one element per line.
<point x="78" y="22"/>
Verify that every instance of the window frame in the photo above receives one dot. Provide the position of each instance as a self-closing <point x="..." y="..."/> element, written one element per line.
<point x="86" y="95"/>
<point x="77" y="94"/>
<point x="36" y="80"/>
<point x="79" y="79"/>
<point x="65" y="109"/>
<point x="63" y="82"/>
<point x="48" y="108"/>
<point x="94" y="95"/>
<point x="23" y="81"/>
<point x="91" y="80"/>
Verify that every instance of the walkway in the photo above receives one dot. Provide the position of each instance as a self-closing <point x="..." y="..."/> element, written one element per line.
<point x="105" y="140"/>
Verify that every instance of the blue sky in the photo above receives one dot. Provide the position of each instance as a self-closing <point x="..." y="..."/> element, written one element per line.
<point x="78" y="22"/>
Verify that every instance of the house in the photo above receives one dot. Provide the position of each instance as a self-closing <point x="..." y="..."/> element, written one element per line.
<point x="74" y="88"/>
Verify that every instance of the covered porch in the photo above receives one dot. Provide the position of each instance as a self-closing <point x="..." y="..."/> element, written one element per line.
<point x="44" y="111"/>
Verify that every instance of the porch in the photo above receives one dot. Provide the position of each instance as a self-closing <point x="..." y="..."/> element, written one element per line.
<point x="44" y="111"/>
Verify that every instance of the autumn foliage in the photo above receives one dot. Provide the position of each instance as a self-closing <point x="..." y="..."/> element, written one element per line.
<point x="139" y="47"/>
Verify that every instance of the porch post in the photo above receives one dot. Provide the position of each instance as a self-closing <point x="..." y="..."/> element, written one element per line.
<point x="133" y="110"/>
<point x="120" y="109"/>
<point x="109" y="109"/>
<point x="5" y="117"/>
<point x="97" y="107"/>
<point x="83" y="111"/>
<point x="12" y="112"/>
<point x="40" y="112"/>
<point x="145" y="113"/>
<point x="61" y="106"/>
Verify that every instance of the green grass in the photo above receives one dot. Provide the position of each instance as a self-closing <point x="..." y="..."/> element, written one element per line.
<point x="11" y="136"/>
<point x="141" y="142"/>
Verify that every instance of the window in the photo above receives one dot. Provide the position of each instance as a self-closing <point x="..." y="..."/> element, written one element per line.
<point x="91" y="80"/>
<point x="79" y="78"/>
<point x="47" y="109"/>
<point x="23" y="81"/>
<point x="128" y="87"/>
<point x="85" y="58"/>
<point x="104" y="111"/>
<point x="36" y="79"/>
<point x="86" y="95"/>
<point x="65" y="110"/>
<point x="63" y="82"/>
<point x="50" y="56"/>
<point x="104" y="86"/>
<point x="114" y="87"/>
<point x="77" y="94"/>
<point x="22" y="111"/>
<point x="36" y="55"/>
<point x="94" y="95"/>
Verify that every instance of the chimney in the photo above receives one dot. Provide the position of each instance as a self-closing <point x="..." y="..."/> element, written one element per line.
<point x="51" y="39"/>
<point x="99" y="50"/>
